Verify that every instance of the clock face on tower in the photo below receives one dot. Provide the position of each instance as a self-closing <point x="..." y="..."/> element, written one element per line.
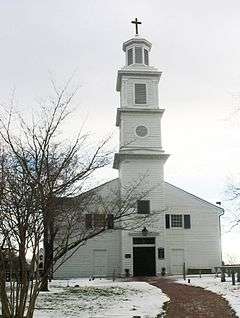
<point x="141" y="131"/>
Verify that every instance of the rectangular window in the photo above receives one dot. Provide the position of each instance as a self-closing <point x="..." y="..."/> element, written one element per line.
<point x="161" y="254"/>
<point x="99" y="220"/>
<point x="140" y="94"/>
<point x="176" y="220"/>
<point x="143" y="206"/>
<point x="130" y="56"/>
<point x="138" y="54"/>
<point x="146" y="57"/>
<point x="144" y="240"/>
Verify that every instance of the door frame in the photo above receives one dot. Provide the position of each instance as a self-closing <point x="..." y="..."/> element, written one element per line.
<point x="144" y="245"/>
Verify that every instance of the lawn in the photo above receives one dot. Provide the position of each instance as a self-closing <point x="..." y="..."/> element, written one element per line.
<point x="100" y="298"/>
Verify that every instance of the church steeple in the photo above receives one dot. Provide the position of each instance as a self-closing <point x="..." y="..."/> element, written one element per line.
<point x="139" y="115"/>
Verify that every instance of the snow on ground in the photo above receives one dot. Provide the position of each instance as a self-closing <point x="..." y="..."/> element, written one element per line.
<point x="214" y="284"/>
<point x="100" y="298"/>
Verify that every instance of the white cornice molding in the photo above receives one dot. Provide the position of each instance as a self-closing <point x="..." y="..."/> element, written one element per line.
<point x="118" y="157"/>
<point x="137" y="110"/>
<point x="137" y="41"/>
<point x="136" y="72"/>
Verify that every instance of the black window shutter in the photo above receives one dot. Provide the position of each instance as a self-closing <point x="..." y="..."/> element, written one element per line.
<point x="110" y="221"/>
<point x="88" y="221"/>
<point x="167" y="221"/>
<point x="187" y="221"/>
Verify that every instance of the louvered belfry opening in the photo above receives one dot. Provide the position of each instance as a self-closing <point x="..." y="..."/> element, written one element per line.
<point x="146" y="60"/>
<point x="130" y="56"/>
<point x="140" y="93"/>
<point x="138" y="54"/>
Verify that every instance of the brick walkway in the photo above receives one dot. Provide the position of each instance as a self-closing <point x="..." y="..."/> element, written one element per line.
<point x="191" y="302"/>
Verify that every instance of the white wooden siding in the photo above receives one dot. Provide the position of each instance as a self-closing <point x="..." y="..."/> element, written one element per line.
<point x="201" y="243"/>
<point x="127" y="97"/>
<point x="129" y="122"/>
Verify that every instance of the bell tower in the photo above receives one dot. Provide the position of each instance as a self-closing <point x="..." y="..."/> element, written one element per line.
<point x="139" y="121"/>
<point x="139" y="115"/>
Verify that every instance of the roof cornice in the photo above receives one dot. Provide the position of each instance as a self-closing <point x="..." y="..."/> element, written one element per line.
<point x="137" y="72"/>
<point x="137" y="110"/>
<point x="118" y="157"/>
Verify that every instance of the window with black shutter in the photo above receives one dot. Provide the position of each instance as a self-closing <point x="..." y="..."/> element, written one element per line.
<point x="143" y="206"/>
<point x="140" y="94"/>
<point x="130" y="56"/>
<point x="187" y="221"/>
<point x="146" y="57"/>
<point x="88" y="221"/>
<point x="176" y="220"/>
<point x="110" y="221"/>
<point x="138" y="54"/>
<point x="161" y="253"/>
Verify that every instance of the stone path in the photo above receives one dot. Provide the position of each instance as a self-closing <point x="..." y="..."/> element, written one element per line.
<point x="191" y="302"/>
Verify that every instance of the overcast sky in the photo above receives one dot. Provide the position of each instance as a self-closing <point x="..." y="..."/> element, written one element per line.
<point x="196" y="46"/>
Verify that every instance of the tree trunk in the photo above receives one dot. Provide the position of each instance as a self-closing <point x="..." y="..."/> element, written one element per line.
<point x="47" y="246"/>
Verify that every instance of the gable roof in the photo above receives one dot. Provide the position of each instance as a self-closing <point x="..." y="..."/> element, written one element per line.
<point x="193" y="196"/>
<point x="170" y="187"/>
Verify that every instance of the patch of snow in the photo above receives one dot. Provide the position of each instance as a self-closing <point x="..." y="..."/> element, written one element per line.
<point x="100" y="298"/>
<point x="214" y="284"/>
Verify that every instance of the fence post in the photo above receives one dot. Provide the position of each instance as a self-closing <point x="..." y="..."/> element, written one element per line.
<point x="233" y="277"/>
<point x="223" y="278"/>
<point x="184" y="271"/>
<point x="238" y="276"/>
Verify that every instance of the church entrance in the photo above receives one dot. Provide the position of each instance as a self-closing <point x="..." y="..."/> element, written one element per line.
<point x="144" y="256"/>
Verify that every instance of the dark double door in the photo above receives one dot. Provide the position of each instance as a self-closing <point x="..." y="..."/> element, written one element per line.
<point x="144" y="261"/>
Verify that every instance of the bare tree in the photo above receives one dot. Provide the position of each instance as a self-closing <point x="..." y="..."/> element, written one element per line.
<point x="42" y="178"/>
<point x="36" y="168"/>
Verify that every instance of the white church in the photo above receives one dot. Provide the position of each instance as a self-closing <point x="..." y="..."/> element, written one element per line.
<point x="186" y="231"/>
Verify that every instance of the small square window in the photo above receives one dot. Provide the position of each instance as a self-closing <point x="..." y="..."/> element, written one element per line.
<point x="176" y="220"/>
<point x="143" y="206"/>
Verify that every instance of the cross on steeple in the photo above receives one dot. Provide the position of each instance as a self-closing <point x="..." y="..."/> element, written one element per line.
<point x="136" y="22"/>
